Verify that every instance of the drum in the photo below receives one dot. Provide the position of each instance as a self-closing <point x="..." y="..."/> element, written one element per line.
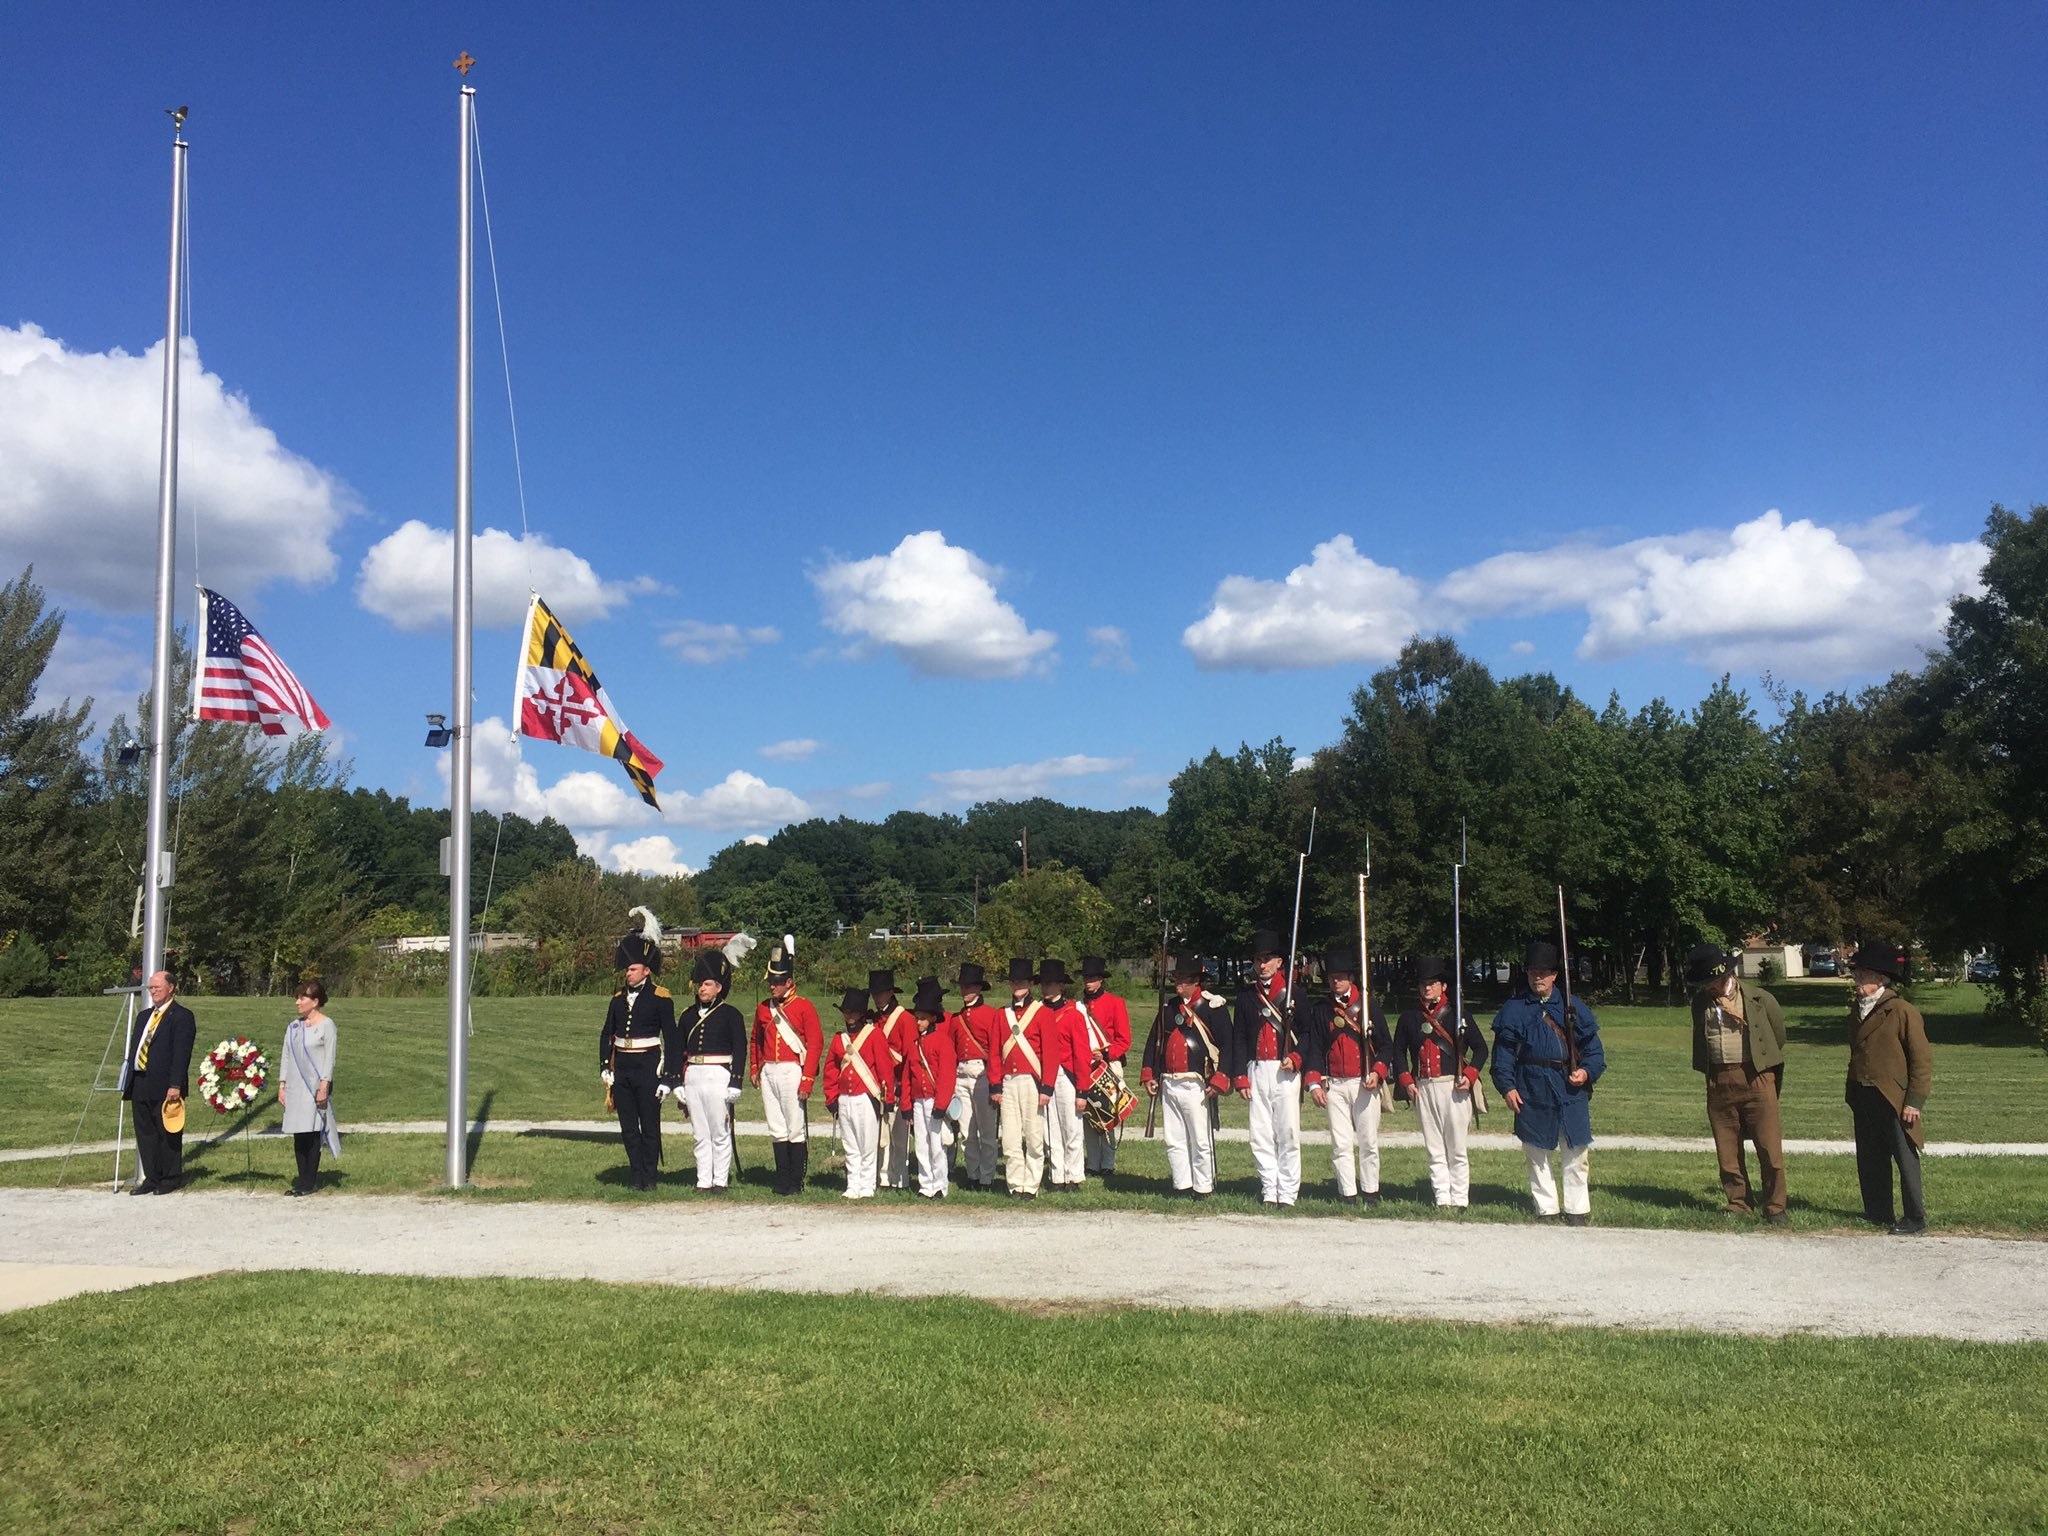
<point x="1108" y="1104"/>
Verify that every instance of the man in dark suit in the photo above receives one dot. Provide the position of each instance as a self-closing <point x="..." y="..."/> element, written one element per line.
<point x="159" y="1056"/>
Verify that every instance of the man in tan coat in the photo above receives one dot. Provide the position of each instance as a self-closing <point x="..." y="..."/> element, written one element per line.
<point x="1738" y="1044"/>
<point x="1891" y="1069"/>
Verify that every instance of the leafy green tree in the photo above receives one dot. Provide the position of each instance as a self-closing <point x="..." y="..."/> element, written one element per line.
<point x="1233" y="827"/>
<point x="796" y="901"/>
<point x="46" y="786"/>
<point x="1051" y="911"/>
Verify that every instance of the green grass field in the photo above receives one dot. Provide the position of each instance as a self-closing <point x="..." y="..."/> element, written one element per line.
<point x="306" y="1402"/>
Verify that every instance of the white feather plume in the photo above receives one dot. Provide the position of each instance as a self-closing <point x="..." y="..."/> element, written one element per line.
<point x="650" y="925"/>
<point x="739" y="946"/>
<point x="789" y="945"/>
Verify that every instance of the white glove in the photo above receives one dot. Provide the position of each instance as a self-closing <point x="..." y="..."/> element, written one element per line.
<point x="661" y="1091"/>
<point x="732" y="1095"/>
<point x="606" y="1077"/>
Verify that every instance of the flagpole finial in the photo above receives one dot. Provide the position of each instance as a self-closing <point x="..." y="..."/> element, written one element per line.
<point x="464" y="63"/>
<point x="177" y="115"/>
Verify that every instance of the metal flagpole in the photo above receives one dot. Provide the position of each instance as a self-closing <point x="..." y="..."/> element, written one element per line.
<point x="459" y="766"/>
<point x="157" y="874"/>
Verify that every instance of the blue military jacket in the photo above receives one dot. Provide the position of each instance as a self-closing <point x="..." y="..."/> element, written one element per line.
<point x="1529" y="1055"/>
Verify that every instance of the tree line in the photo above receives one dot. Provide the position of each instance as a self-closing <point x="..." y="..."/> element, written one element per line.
<point x="1911" y="811"/>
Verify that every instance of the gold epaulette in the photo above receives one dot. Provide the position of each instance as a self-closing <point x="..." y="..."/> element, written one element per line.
<point x="663" y="992"/>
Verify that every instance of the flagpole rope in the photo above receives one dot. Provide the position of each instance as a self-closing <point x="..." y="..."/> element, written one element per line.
<point x="197" y="651"/>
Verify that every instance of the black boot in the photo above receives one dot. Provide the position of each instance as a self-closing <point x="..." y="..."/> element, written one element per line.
<point x="799" y="1166"/>
<point x="785" y="1167"/>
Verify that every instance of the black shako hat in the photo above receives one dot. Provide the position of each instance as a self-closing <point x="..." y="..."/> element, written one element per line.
<point x="881" y="981"/>
<point x="1052" y="973"/>
<point x="930" y="998"/>
<point x="1431" y="968"/>
<point x="1341" y="960"/>
<point x="1185" y="968"/>
<point x="972" y="977"/>
<point x="1020" y="973"/>
<point x="1708" y="962"/>
<point x="711" y="965"/>
<point x="1094" y="968"/>
<point x="1266" y="942"/>
<point x="1885" y="959"/>
<point x="855" y="1001"/>
<point x="781" y="964"/>
<point x="1541" y="955"/>
<point x="637" y="949"/>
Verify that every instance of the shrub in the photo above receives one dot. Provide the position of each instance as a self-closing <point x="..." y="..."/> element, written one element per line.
<point x="25" y="969"/>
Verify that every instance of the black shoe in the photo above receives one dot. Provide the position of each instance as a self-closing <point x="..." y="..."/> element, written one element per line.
<point x="1778" y="1219"/>
<point x="1371" y="1197"/>
<point x="1546" y="1218"/>
<point x="168" y="1187"/>
<point x="1912" y="1226"/>
<point x="1576" y="1218"/>
<point x="297" y="1190"/>
<point x="1349" y="1199"/>
<point x="146" y="1187"/>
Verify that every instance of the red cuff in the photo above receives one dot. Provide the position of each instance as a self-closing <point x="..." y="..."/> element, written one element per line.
<point x="1314" y="1078"/>
<point x="1244" y="1084"/>
<point x="1293" y="1061"/>
<point x="1471" y="1074"/>
<point x="1407" y="1080"/>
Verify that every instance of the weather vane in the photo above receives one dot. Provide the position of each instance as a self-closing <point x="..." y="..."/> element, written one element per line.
<point x="177" y="115"/>
<point x="464" y="64"/>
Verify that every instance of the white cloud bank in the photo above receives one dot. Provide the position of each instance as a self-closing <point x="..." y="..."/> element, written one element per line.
<point x="1806" y="601"/>
<point x="408" y="577"/>
<point x="705" y="645"/>
<point x="935" y="605"/>
<point x="79" y="445"/>
<point x="595" y="803"/>
<point x="1341" y="606"/>
<point x="1021" y="781"/>
<point x="796" y="750"/>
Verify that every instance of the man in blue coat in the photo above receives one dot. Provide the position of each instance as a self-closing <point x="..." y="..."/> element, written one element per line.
<point x="1545" y="1066"/>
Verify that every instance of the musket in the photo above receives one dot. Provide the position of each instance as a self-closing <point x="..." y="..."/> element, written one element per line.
<point x="1386" y="1090"/>
<point x="1564" y="981"/>
<point x="1158" y="1043"/>
<point x="1294" y="934"/>
<point x="1458" y="968"/>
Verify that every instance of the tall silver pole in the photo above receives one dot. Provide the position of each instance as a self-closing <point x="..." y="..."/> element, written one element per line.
<point x="1458" y="934"/>
<point x="459" y="769"/>
<point x="156" y="872"/>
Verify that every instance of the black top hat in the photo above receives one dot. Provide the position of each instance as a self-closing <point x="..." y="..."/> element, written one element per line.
<point x="1185" y="968"/>
<point x="1431" y="968"/>
<point x="1885" y="959"/>
<point x="1020" y="973"/>
<point x="881" y="981"/>
<point x="637" y="949"/>
<point x="1266" y="942"/>
<point x="929" y="999"/>
<point x="1708" y="962"/>
<point x="1541" y="955"/>
<point x="972" y="977"/>
<point x="1094" y="967"/>
<point x="711" y="965"/>
<point x="1052" y="973"/>
<point x="855" y="1001"/>
<point x="781" y="964"/>
<point x="1341" y="960"/>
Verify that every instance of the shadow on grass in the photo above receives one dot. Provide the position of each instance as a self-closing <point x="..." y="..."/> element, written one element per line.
<point x="1662" y="1198"/>
<point x="473" y="1143"/>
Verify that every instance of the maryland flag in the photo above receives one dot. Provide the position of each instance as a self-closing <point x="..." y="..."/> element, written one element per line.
<point x="560" y="699"/>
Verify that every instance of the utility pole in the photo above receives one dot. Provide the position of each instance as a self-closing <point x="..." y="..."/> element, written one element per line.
<point x="1024" y="842"/>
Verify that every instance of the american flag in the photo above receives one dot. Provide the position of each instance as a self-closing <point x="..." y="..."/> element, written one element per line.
<point x="242" y="678"/>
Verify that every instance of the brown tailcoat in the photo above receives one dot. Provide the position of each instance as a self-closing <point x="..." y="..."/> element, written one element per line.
<point x="1889" y="1050"/>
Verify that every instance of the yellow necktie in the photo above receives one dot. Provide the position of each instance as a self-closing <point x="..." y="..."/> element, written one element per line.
<point x="142" y="1055"/>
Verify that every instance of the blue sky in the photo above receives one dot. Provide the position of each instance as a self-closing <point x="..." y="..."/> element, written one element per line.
<point x="1006" y="399"/>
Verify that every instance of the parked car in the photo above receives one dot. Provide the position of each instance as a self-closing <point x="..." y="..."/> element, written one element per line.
<point x="1823" y="964"/>
<point x="1981" y="969"/>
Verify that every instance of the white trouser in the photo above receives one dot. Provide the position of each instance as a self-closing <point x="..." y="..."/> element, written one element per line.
<point x="1354" y="1134"/>
<point x="779" y="1103"/>
<point x="976" y="1113"/>
<point x="1578" y="1198"/>
<point x="1444" y="1106"/>
<point x="1023" y="1134"/>
<point x="1099" y="1151"/>
<point x="1190" y="1145"/>
<point x="859" y="1129"/>
<point x="896" y="1156"/>
<point x="929" y="1129"/>
<point x="1276" y="1130"/>
<point x="704" y="1093"/>
<point x="1063" y="1134"/>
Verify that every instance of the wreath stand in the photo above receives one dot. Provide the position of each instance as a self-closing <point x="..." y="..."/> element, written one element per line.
<point x="124" y="1031"/>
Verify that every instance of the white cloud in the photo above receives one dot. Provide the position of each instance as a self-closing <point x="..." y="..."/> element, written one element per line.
<point x="934" y="604"/>
<point x="795" y="750"/>
<point x="1021" y="781"/>
<point x="1112" y="648"/>
<point x="755" y="840"/>
<point x="593" y="803"/>
<point x="408" y="577"/>
<point x="704" y="645"/>
<point x="1523" y="648"/>
<point x="79" y="444"/>
<point x="655" y="855"/>
<point x="111" y="672"/>
<point x="1339" y="607"/>
<point x="870" y="791"/>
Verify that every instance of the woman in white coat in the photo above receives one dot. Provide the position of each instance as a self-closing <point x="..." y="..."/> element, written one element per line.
<point x="307" y="1083"/>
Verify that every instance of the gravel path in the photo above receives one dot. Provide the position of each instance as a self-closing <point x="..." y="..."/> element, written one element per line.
<point x="672" y="1126"/>
<point x="1760" y="1282"/>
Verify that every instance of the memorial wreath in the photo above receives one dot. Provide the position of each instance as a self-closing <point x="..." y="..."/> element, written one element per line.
<point x="233" y="1075"/>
